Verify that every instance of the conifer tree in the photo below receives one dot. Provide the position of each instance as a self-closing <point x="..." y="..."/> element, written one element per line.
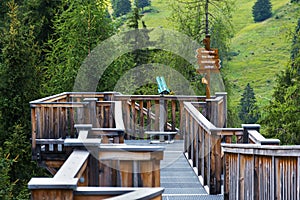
<point x="282" y="120"/>
<point x="19" y="84"/>
<point x="77" y="30"/>
<point x="262" y="10"/>
<point x="142" y="3"/>
<point x="121" y="7"/>
<point x="248" y="108"/>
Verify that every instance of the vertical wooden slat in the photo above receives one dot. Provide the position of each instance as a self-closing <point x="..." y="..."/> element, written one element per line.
<point x="156" y="121"/>
<point x="156" y="173"/>
<point x="298" y="178"/>
<point x="133" y="119"/>
<point x="202" y="157"/>
<point x="63" y="123"/>
<point x="141" y="106"/>
<point x="127" y="120"/>
<point x="126" y="173"/>
<point x="166" y="114"/>
<point x="33" y="133"/>
<point x="173" y="108"/>
<point x="51" y="124"/>
<point x="106" y="116"/>
<point x="149" y="124"/>
<point x="72" y="131"/>
<point x="93" y="170"/>
<point x="218" y="168"/>
<point x="181" y="115"/>
<point x="146" y="169"/>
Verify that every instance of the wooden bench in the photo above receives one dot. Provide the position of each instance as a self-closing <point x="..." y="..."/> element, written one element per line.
<point x="162" y="134"/>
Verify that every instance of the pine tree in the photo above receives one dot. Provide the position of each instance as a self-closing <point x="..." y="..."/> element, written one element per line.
<point x="142" y="3"/>
<point x="262" y="10"/>
<point x="121" y="7"/>
<point x="248" y="108"/>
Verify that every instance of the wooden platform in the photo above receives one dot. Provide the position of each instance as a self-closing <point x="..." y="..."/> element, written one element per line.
<point x="177" y="176"/>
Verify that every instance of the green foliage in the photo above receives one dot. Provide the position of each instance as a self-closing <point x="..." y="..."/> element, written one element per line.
<point x="262" y="10"/>
<point x="296" y="43"/>
<point x="248" y="108"/>
<point x="121" y="7"/>
<point x="190" y="17"/>
<point x="142" y="3"/>
<point x="40" y="14"/>
<point x="78" y="29"/>
<point x="19" y="84"/>
<point x="19" y="71"/>
<point x="283" y="116"/>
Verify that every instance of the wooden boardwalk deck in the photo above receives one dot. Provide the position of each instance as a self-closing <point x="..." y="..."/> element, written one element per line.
<point x="177" y="176"/>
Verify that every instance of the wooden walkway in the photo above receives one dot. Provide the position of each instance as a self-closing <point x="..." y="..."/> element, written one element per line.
<point x="177" y="176"/>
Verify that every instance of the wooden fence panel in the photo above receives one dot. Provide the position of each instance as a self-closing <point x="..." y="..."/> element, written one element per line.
<point x="261" y="172"/>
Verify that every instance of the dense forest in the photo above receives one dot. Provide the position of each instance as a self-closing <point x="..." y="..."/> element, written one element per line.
<point x="44" y="42"/>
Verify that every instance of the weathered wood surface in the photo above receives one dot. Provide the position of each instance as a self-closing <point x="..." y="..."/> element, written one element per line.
<point x="203" y="147"/>
<point x="107" y="166"/>
<point x="261" y="172"/>
<point x="141" y="113"/>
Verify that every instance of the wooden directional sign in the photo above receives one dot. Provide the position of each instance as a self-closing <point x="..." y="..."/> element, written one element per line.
<point x="208" y="60"/>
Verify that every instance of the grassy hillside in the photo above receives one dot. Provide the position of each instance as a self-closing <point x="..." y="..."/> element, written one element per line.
<point x="261" y="49"/>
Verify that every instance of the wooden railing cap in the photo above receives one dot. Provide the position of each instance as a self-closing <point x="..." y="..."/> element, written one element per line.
<point x="51" y="183"/>
<point x="130" y="148"/>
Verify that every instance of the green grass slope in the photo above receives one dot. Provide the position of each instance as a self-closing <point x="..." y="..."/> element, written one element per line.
<point x="262" y="49"/>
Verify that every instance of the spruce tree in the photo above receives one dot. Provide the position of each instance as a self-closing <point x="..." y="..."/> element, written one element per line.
<point x="248" y="108"/>
<point x="77" y="30"/>
<point x="142" y="3"/>
<point x="121" y="7"/>
<point x="262" y="10"/>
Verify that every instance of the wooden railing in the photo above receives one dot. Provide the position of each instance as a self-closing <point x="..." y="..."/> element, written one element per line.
<point x="114" y="166"/>
<point x="203" y="137"/>
<point x="54" y="119"/>
<point x="140" y="113"/>
<point x="254" y="171"/>
<point x="203" y="147"/>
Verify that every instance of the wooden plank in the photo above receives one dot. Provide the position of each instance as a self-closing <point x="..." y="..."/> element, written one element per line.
<point x="126" y="169"/>
<point x="141" y="119"/>
<point x="52" y="194"/>
<point x="107" y="155"/>
<point x="146" y="169"/>
<point x="33" y="128"/>
<point x="143" y="193"/>
<point x="149" y="120"/>
<point x="156" y="121"/>
<point x="133" y="119"/>
<point x="118" y="113"/>
<point x="173" y="113"/>
<point x="72" y="165"/>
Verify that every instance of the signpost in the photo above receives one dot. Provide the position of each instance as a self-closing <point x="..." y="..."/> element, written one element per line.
<point x="209" y="61"/>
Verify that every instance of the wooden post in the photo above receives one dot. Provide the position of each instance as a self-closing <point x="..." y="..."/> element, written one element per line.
<point x="248" y="127"/>
<point x="224" y="112"/>
<point x="91" y="113"/>
<point x="161" y="117"/>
